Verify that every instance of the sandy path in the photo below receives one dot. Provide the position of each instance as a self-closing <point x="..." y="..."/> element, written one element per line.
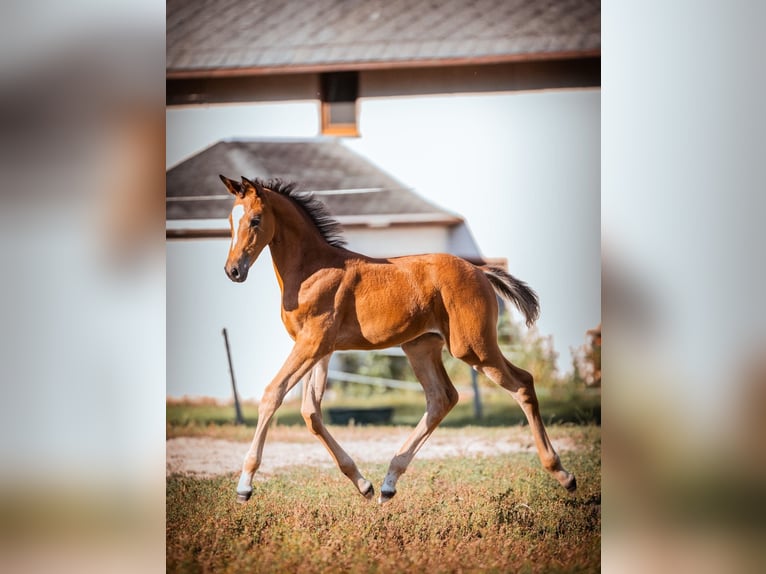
<point x="202" y="456"/>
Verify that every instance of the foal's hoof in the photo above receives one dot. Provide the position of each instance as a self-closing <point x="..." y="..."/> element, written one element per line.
<point x="369" y="492"/>
<point x="386" y="495"/>
<point x="571" y="484"/>
<point x="243" y="497"/>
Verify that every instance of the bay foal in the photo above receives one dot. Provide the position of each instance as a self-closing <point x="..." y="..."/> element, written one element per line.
<point x="335" y="299"/>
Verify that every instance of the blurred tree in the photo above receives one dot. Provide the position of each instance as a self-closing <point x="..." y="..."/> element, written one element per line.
<point x="538" y="356"/>
<point x="587" y="359"/>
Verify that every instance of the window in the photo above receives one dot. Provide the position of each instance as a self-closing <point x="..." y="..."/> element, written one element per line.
<point x="339" y="93"/>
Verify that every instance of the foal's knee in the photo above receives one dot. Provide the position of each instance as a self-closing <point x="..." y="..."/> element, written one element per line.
<point x="312" y="419"/>
<point x="440" y="405"/>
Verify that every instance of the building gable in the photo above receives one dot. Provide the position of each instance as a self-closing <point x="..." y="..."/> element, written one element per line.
<point x="355" y="191"/>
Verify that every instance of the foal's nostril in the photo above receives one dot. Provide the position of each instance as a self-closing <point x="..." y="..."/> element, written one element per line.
<point x="235" y="273"/>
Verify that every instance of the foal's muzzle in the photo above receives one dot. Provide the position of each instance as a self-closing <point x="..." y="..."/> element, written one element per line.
<point x="237" y="273"/>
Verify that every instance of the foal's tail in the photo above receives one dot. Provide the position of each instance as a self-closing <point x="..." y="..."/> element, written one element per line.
<point x="515" y="290"/>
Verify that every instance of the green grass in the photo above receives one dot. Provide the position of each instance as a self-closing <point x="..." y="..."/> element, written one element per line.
<point x="499" y="409"/>
<point x="489" y="514"/>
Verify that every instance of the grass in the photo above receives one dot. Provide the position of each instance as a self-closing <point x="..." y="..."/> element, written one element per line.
<point x="486" y="514"/>
<point x="489" y="514"/>
<point x="499" y="409"/>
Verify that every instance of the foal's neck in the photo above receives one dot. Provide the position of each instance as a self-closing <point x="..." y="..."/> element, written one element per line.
<point x="298" y="249"/>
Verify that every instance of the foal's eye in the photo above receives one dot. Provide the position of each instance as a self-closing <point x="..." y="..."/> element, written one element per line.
<point x="255" y="221"/>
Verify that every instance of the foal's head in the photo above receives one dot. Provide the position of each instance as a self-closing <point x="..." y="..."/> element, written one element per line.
<point x="252" y="226"/>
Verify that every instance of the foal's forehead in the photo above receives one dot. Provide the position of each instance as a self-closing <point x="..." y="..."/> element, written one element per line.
<point x="237" y="212"/>
<point x="244" y="205"/>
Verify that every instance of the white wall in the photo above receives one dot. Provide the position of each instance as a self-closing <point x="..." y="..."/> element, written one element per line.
<point x="391" y="241"/>
<point x="522" y="168"/>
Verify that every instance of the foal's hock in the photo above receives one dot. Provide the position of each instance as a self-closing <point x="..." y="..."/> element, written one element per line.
<point x="335" y="299"/>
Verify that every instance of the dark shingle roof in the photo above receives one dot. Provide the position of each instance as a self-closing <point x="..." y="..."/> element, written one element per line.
<point x="353" y="189"/>
<point x="225" y="35"/>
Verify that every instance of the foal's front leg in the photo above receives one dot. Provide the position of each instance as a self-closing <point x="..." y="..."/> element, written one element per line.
<point x="298" y="363"/>
<point x="312" y="414"/>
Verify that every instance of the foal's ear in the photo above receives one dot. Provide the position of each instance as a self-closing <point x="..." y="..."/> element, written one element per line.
<point x="234" y="187"/>
<point x="256" y="186"/>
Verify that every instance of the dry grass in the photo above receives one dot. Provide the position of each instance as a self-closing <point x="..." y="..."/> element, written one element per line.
<point x="490" y="514"/>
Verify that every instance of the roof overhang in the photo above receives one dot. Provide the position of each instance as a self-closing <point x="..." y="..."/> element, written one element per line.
<point x="185" y="74"/>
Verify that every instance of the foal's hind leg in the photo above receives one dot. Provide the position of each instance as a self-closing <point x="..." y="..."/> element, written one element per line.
<point x="312" y="414"/>
<point x="424" y="354"/>
<point x="521" y="386"/>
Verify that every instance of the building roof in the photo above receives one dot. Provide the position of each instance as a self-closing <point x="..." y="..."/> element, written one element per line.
<point x="230" y="37"/>
<point x="355" y="191"/>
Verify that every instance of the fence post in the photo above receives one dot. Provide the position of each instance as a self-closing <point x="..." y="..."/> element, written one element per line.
<point x="239" y="420"/>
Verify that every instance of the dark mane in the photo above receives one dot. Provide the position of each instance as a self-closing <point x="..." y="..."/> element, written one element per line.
<point x="328" y="227"/>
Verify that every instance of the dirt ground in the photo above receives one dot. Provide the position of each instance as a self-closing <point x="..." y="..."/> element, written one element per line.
<point x="204" y="456"/>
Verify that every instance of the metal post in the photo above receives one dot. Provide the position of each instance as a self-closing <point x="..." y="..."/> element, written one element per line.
<point x="239" y="420"/>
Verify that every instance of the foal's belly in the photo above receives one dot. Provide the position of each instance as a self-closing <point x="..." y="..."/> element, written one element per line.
<point x="384" y="318"/>
<point x="379" y="333"/>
